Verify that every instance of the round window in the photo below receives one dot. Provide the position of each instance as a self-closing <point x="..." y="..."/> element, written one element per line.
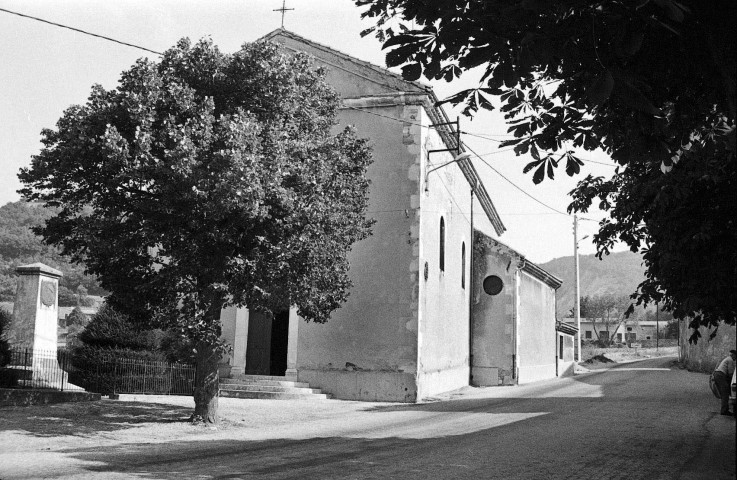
<point x="493" y="285"/>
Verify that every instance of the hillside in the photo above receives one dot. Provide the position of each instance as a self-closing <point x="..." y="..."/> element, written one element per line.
<point x="618" y="273"/>
<point x="20" y="246"/>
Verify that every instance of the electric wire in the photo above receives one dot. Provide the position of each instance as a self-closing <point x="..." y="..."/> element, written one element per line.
<point x="472" y="134"/>
<point x="496" y="152"/>
<point x="110" y="39"/>
<point x="480" y="156"/>
<point x="514" y="184"/>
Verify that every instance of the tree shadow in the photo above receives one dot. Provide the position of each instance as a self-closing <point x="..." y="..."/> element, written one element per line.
<point x="88" y="418"/>
<point x="544" y="435"/>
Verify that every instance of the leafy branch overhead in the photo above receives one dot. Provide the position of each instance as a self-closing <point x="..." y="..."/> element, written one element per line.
<point x="650" y="82"/>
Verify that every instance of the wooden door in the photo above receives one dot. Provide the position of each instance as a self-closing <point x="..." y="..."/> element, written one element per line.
<point x="258" y="348"/>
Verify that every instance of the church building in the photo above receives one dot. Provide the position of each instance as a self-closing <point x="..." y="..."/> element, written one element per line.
<point x="419" y="319"/>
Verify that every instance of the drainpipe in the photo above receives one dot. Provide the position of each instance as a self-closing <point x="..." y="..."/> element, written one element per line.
<point x="515" y="340"/>
<point x="470" y="293"/>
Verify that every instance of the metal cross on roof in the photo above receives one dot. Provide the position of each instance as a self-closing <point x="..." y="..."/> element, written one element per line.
<point x="283" y="10"/>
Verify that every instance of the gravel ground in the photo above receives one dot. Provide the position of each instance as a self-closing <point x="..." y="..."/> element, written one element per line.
<point x="660" y="423"/>
<point x="154" y="418"/>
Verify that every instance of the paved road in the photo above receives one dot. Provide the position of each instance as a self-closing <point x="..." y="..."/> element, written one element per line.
<point x="643" y="420"/>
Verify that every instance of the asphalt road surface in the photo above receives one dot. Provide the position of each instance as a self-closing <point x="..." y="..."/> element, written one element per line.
<point x="642" y="420"/>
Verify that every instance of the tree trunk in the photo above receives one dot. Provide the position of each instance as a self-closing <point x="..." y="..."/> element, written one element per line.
<point x="593" y="325"/>
<point x="206" y="385"/>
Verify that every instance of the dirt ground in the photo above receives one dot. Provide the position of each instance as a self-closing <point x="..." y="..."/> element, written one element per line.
<point x="155" y="418"/>
<point x="159" y="418"/>
<point x="472" y="432"/>
<point x="596" y="358"/>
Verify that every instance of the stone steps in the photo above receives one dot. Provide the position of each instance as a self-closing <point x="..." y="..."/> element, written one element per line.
<point x="256" y="378"/>
<point x="271" y="383"/>
<point x="273" y="395"/>
<point x="268" y="387"/>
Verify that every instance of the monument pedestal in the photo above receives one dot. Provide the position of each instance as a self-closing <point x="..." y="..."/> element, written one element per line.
<point x="33" y="328"/>
<point x="36" y="309"/>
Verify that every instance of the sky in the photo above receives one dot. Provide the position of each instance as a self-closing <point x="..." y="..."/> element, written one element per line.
<point x="44" y="69"/>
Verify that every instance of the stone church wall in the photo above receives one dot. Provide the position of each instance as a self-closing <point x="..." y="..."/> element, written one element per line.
<point x="368" y="348"/>
<point x="536" y="331"/>
<point x="706" y="354"/>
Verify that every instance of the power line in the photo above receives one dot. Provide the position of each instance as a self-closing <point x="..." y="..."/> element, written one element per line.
<point x="588" y="160"/>
<point x="480" y="158"/>
<point x="489" y="136"/>
<point x="481" y="136"/>
<point x="110" y="39"/>
<point x="389" y="117"/>
<point x="120" y="42"/>
<point x="514" y="184"/>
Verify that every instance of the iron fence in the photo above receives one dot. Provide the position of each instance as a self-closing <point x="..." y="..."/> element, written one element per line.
<point x="26" y="368"/>
<point x="120" y="375"/>
<point x="63" y="370"/>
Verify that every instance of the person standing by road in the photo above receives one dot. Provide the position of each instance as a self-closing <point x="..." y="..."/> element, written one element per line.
<point x="722" y="377"/>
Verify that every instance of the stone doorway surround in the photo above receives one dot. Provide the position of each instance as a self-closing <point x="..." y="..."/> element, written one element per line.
<point x="235" y="332"/>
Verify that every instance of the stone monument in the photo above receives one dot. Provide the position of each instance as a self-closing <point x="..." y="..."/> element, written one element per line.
<point x="36" y="309"/>
<point x="33" y="328"/>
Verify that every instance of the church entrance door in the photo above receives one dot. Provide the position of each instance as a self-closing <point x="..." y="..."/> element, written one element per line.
<point x="266" y="350"/>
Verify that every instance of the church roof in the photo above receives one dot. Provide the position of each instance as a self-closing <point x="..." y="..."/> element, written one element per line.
<point x="384" y="82"/>
<point x="523" y="263"/>
<point x="367" y="70"/>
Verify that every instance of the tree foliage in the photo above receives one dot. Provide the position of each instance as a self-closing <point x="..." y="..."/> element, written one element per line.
<point x="5" y="318"/>
<point x="607" y="309"/>
<point x="206" y="180"/>
<point x="652" y="83"/>
<point x="76" y="317"/>
<point x="20" y="246"/>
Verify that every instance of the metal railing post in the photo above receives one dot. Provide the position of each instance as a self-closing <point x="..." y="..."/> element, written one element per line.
<point x="115" y="374"/>
<point x="25" y="366"/>
<point x="63" y="371"/>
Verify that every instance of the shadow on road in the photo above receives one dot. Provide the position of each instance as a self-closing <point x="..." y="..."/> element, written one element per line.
<point x="89" y="418"/>
<point x="597" y="389"/>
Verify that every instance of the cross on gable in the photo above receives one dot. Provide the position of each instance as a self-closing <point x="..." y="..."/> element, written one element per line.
<point x="283" y="10"/>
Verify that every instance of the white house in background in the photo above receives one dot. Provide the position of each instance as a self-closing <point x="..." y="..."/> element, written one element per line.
<point x="407" y="331"/>
<point x="566" y="348"/>
<point x="628" y="331"/>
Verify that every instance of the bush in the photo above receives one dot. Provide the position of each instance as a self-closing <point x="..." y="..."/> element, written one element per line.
<point x="109" y="329"/>
<point x="117" y="355"/>
<point x="101" y="369"/>
<point x="177" y="348"/>
<point x="5" y="318"/>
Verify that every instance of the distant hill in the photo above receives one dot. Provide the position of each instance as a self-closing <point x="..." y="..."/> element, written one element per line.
<point x="20" y="246"/>
<point x="618" y="273"/>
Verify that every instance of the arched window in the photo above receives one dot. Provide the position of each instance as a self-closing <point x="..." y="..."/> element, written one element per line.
<point x="463" y="265"/>
<point x="442" y="244"/>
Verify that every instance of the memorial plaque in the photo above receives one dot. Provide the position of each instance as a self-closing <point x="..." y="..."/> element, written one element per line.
<point x="48" y="293"/>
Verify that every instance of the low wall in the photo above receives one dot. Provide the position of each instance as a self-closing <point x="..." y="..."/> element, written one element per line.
<point x="13" y="397"/>
<point x="566" y="369"/>
<point x="706" y="354"/>
<point x="433" y="383"/>
<point x="535" y="373"/>
<point x="362" y="385"/>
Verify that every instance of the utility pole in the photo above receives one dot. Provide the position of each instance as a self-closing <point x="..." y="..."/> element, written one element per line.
<point x="577" y="305"/>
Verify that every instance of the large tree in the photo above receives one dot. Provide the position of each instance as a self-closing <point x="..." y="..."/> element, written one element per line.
<point x="651" y="82"/>
<point x="206" y="180"/>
